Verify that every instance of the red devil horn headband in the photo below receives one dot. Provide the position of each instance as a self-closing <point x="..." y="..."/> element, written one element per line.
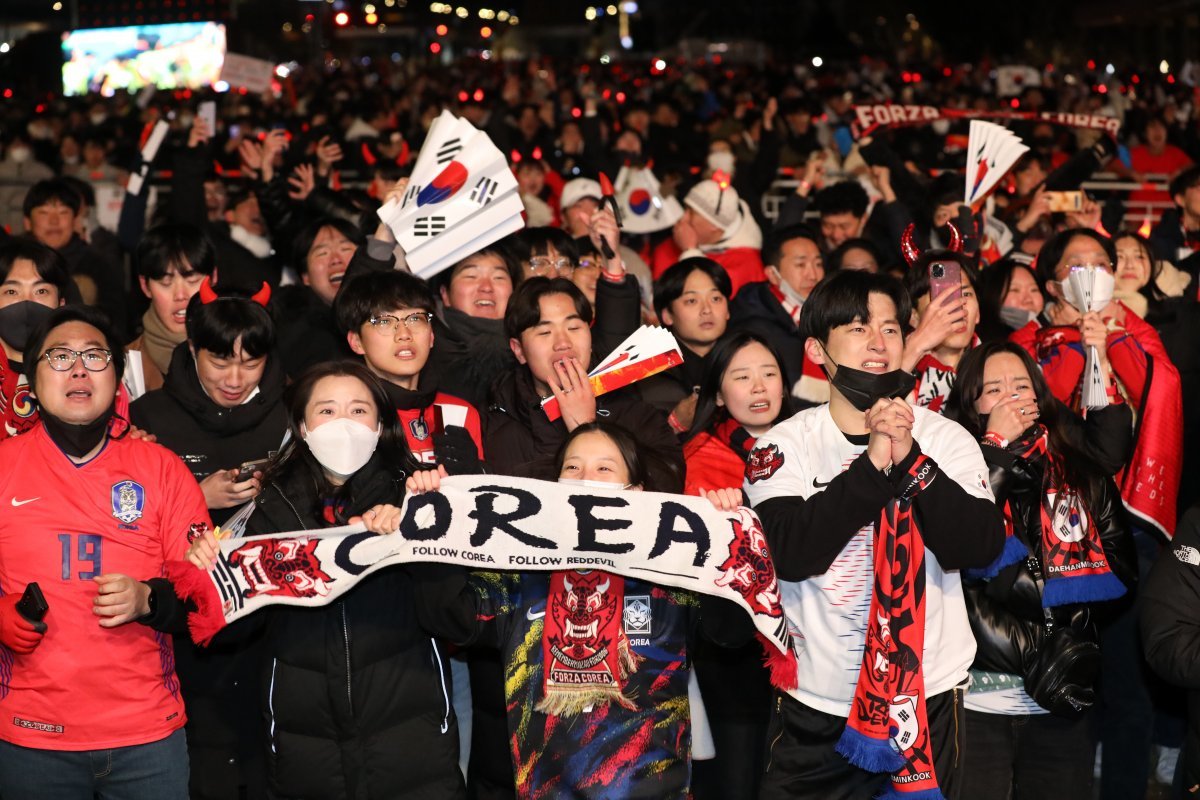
<point x="908" y="247"/>
<point x="208" y="294"/>
<point x="912" y="253"/>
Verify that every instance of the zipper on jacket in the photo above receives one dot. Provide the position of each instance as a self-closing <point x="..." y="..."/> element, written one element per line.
<point x="346" y="636"/>
<point x="445" y="691"/>
<point x="271" y="703"/>
<point x="775" y="741"/>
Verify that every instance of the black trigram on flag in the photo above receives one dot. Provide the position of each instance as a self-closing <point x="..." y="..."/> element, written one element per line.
<point x="414" y="189"/>
<point x="484" y="191"/>
<point x="429" y="226"/>
<point x="449" y="149"/>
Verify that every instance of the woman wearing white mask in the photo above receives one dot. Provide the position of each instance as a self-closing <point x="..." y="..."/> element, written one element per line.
<point x="355" y="693"/>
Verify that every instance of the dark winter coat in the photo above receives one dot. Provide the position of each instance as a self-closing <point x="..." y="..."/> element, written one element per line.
<point x="357" y="694"/>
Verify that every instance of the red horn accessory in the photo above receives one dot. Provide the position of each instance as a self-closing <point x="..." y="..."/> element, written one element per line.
<point x="263" y="295"/>
<point x="956" y="242"/>
<point x="908" y="247"/>
<point x="207" y="294"/>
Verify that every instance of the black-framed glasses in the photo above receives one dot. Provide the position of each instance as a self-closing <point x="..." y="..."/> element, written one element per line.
<point x="540" y="265"/>
<point x="589" y="263"/>
<point x="62" y="359"/>
<point x="390" y="323"/>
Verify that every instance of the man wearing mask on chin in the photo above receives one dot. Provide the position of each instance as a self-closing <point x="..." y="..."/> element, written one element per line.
<point x="33" y="282"/>
<point x="91" y="515"/>
<point x="863" y="501"/>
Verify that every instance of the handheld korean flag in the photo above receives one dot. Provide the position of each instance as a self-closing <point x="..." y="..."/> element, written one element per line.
<point x="648" y="351"/>
<point x="643" y="207"/>
<point x="991" y="152"/>
<point x="462" y="197"/>
<point x="1090" y="289"/>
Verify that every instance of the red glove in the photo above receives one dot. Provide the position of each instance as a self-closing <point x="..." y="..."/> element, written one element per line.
<point x="17" y="633"/>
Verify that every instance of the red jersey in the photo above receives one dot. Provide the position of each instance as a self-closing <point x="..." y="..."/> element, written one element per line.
<point x="420" y="424"/>
<point x="126" y="511"/>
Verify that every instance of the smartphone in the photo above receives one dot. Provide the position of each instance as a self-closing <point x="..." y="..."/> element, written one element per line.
<point x="1065" y="201"/>
<point x="944" y="276"/>
<point x="33" y="606"/>
<point x="247" y="469"/>
<point x="208" y="112"/>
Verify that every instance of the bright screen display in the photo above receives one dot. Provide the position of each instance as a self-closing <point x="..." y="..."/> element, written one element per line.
<point x="176" y="56"/>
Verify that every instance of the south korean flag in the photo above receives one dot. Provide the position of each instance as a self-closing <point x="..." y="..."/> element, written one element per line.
<point x="644" y="209"/>
<point x="462" y="197"/>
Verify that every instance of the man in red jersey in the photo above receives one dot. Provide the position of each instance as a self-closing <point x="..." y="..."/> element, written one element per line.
<point x="89" y="705"/>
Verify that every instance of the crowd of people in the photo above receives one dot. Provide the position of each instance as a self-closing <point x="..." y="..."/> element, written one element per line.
<point x="977" y="493"/>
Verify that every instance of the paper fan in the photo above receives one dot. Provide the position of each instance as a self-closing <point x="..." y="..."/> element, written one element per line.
<point x="462" y="197"/>
<point x="643" y="208"/>
<point x="991" y="152"/>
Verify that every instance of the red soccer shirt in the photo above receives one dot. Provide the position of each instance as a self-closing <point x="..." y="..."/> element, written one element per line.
<point x="126" y="511"/>
<point x="420" y="424"/>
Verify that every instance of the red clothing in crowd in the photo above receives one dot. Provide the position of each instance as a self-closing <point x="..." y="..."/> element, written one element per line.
<point x="744" y="264"/>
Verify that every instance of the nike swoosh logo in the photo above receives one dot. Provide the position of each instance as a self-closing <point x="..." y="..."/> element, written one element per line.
<point x="818" y="485"/>
<point x="17" y="502"/>
<point x="530" y="615"/>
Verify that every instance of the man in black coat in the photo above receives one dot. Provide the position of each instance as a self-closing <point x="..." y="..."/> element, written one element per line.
<point x="771" y="308"/>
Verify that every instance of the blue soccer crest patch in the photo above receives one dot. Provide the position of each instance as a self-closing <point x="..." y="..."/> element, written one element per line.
<point x="128" y="499"/>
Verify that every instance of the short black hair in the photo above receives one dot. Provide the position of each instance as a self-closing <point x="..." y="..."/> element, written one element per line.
<point x="177" y="246"/>
<point x="836" y="256"/>
<point x="216" y="326"/>
<point x="50" y="265"/>
<point x="48" y="191"/>
<point x="537" y="242"/>
<point x="773" y="246"/>
<point x="1054" y="248"/>
<point x="501" y="250"/>
<point x="61" y="316"/>
<point x="846" y="197"/>
<point x="844" y="297"/>
<point x="525" y="306"/>
<point x="1184" y="181"/>
<point x="82" y="188"/>
<point x="669" y="286"/>
<point x="309" y="233"/>
<point x="371" y="293"/>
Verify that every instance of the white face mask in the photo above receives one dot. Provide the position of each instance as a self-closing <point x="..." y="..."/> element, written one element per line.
<point x="342" y="446"/>
<point x="788" y="291"/>
<point x="19" y="155"/>
<point x="590" y="485"/>
<point x="1016" y="318"/>
<point x="721" y="160"/>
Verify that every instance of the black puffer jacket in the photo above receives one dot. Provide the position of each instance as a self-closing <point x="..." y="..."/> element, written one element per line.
<point x="357" y="695"/>
<point x="1170" y="619"/>
<point x="1006" y="611"/>
<point x="209" y="437"/>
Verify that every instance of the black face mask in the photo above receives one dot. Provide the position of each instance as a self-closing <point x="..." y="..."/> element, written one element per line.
<point x="863" y="389"/>
<point x="18" y="321"/>
<point x="77" y="440"/>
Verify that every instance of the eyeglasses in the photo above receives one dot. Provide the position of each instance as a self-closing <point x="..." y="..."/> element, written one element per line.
<point x="62" y="359"/>
<point x="540" y="265"/>
<point x="588" y="263"/>
<point x="390" y="323"/>
<point x="1098" y="264"/>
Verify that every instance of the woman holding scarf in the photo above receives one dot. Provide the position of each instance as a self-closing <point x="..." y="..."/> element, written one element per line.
<point x="355" y="693"/>
<point x="741" y="396"/>
<point x="1033" y="612"/>
<point x="628" y="738"/>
